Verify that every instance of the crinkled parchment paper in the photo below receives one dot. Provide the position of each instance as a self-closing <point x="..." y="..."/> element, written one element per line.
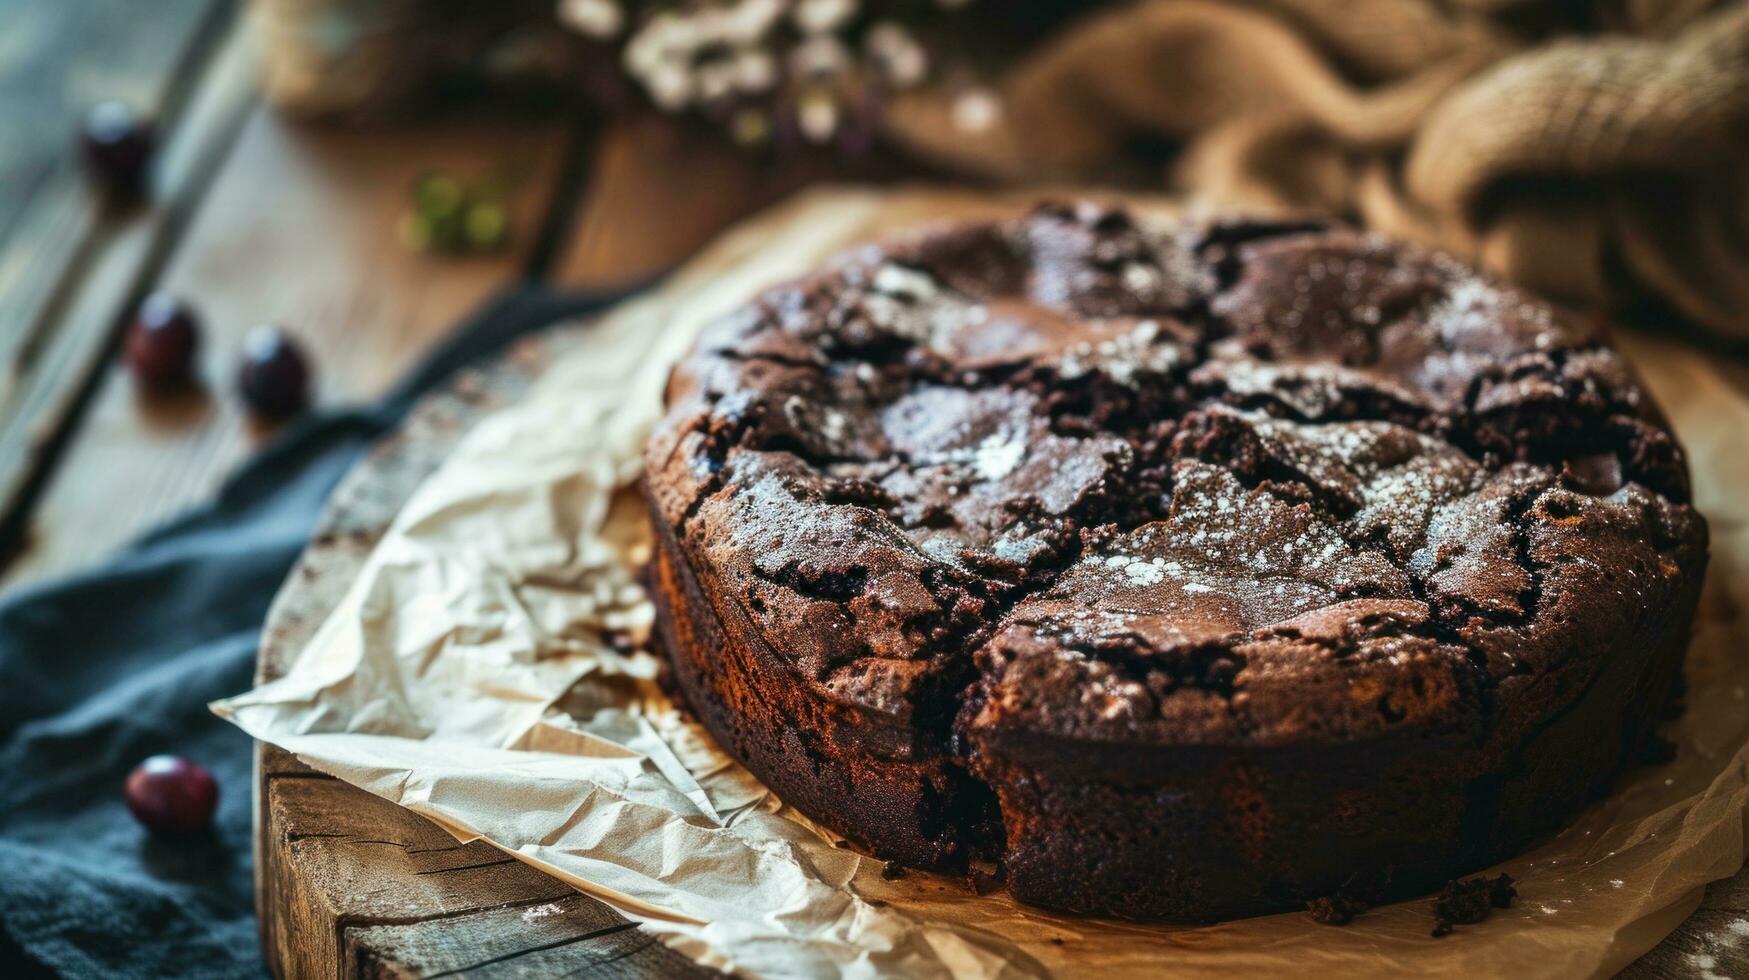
<point x="465" y="677"/>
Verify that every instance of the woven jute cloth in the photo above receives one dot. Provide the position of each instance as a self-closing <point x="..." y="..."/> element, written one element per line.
<point x="1605" y="164"/>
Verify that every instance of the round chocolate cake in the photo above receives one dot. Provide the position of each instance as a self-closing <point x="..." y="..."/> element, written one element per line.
<point x="1186" y="571"/>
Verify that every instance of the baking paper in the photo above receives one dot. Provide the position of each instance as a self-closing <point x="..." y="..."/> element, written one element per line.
<point x="465" y="676"/>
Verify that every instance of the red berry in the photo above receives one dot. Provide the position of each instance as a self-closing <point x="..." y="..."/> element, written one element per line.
<point x="161" y="343"/>
<point x="168" y="794"/>
<point x="118" y="146"/>
<point x="273" y="378"/>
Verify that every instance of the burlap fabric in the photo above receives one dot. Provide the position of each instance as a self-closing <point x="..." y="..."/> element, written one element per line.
<point x="1607" y="166"/>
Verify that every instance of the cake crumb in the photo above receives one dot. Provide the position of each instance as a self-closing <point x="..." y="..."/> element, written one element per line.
<point x="983" y="881"/>
<point x="1338" y="909"/>
<point x="893" y="871"/>
<point x="1469" y="902"/>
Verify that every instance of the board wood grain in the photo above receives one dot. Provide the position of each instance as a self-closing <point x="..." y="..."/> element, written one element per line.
<point x="350" y="885"/>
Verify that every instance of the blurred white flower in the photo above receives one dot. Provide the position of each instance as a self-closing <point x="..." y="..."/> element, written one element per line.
<point x="769" y="63"/>
<point x="663" y="39"/>
<point x="599" y="19"/>
<point x="820" y="56"/>
<point x="817" y="115"/>
<point x="755" y="70"/>
<point x="821" y="16"/>
<point x="976" y="110"/>
<point x="670" y="85"/>
<point x="715" y="78"/>
<point x="749" y="21"/>
<point x="900" y="58"/>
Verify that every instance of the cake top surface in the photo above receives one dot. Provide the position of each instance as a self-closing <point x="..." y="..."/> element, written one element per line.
<point x="1082" y="474"/>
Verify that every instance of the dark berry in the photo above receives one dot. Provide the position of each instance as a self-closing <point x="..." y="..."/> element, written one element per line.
<point x="168" y="794"/>
<point x="118" y="146"/>
<point x="161" y="343"/>
<point x="274" y="377"/>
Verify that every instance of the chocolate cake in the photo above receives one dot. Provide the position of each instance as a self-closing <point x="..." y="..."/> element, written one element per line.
<point x="1187" y="571"/>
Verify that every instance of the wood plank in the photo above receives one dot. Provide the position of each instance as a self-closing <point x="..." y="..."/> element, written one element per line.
<point x="342" y="856"/>
<point x="54" y="60"/>
<point x="1713" y="941"/>
<point x="1708" y="944"/>
<point x="78" y="335"/>
<point x="570" y="936"/>
<point x="1729" y="895"/>
<point x="360" y="858"/>
<point x="300" y="227"/>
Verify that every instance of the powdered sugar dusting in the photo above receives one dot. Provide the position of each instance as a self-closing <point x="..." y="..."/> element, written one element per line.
<point x="1143" y="349"/>
<point x="910" y="303"/>
<point x="999" y="454"/>
<point x="904" y="282"/>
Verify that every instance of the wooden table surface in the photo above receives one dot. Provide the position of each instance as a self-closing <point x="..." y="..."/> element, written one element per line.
<point x="255" y="218"/>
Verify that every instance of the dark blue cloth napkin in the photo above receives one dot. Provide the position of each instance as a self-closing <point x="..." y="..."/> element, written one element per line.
<point x="103" y="669"/>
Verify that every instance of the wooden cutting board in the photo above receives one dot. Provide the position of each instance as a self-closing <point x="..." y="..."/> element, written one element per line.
<point x="350" y="885"/>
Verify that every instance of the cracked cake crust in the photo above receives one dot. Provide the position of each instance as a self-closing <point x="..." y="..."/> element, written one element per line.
<point x="1189" y="571"/>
